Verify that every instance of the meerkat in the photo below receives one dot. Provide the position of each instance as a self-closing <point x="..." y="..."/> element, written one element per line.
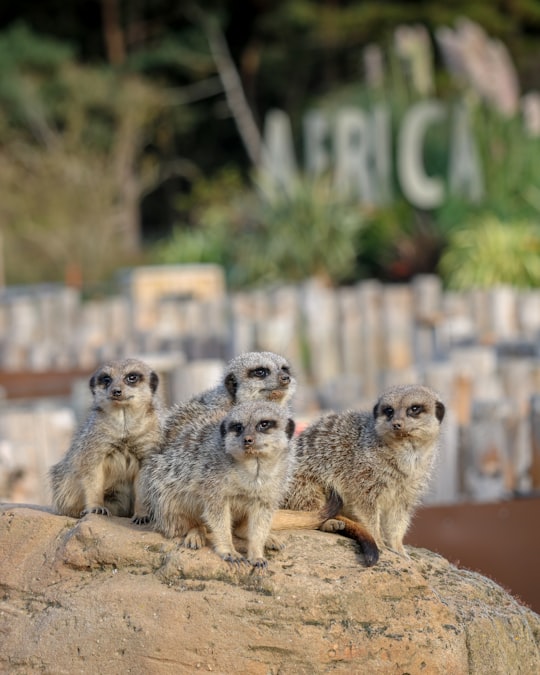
<point x="98" y="473"/>
<point x="250" y="376"/>
<point x="229" y="472"/>
<point x="379" y="464"/>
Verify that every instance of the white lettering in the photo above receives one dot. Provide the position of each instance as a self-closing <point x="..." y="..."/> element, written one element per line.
<point x="422" y="190"/>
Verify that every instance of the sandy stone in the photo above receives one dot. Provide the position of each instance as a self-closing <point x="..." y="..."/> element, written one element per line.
<point x="100" y="595"/>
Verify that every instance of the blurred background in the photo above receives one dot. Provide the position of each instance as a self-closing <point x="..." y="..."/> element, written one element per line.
<point x="354" y="184"/>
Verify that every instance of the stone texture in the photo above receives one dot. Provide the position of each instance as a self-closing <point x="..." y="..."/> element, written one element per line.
<point x="102" y="596"/>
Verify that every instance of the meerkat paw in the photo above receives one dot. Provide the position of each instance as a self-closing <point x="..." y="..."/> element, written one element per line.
<point x="259" y="564"/>
<point x="332" y="525"/>
<point x="400" y="551"/>
<point x="140" y="520"/>
<point x="274" y="543"/>
<point x="100" y="510"/>
<point x="233" y="558"/>
<point x="195" y="538"/>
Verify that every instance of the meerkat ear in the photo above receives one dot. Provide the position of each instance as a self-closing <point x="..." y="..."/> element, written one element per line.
<point x="223" y="429"/>
<point x="154" y="381"/>
<point x="92" y="383"/>
<point x="439" y="410"/>
<point x="289" y="430"/>
<point x="231" y="385"/>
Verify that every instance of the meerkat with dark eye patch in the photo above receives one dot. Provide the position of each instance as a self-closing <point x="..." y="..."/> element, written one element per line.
<point x="251" y="376"/>
<point x="379" y="463"/>
<point x="98" y="474"/>
<point x="231" y="471"/>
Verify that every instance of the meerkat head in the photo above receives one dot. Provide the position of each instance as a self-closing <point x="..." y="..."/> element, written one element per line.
<point x="123" y="382"/>
<point x="409" y="411"/>
<point x="256" y="429"/>
<point x="259" y="376"/>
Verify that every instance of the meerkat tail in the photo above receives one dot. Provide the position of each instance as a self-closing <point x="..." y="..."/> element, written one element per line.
<point x="284" y="519"/>
<point x="356" y="531"/>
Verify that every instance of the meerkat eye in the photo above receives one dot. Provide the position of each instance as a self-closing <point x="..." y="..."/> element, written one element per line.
<point x="236" y="428"/>
<point x="133" y="378"/>
<point x="415" y="410"/>
<point x="388" y="412"/>
<point x="105" y="380"/>
<point x="286" y="369"/>
<point x="266" y="425"/>
<point x="261" y="373"/>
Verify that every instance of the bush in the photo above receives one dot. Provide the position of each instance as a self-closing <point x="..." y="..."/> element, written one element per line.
<point x="490" y="252"/>
<point x="269" y="235"/>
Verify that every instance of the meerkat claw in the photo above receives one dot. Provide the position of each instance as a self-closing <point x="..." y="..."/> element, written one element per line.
<point x="100" y="510"/>
<point x="140" y="520"/>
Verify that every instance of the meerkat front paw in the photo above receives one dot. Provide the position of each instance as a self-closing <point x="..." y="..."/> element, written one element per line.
<point x="140" y="520"/>
<point x="100" y="510"/>
<point x="233" y="558"/>
<point x="400" y="551"/>
<point x="260" y="564"/>
<point x="195" y="538"/>
<point x="274" y="543"/>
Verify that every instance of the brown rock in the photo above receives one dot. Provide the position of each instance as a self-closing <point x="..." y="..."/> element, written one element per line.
<point x="100" y="595"/>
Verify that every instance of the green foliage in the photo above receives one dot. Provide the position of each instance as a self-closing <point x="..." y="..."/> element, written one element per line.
<point x="489" y="251"/>
<point x="73" y="161"/>
<point x="269" y="235"/>
<point x="39" y="54"/>
<point x="306" y="229"/>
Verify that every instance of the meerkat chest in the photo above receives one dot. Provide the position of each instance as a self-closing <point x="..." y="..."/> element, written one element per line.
<point x="129" y="433"/>
<point x="255" y="477"/>
<point x="121" y="462"/>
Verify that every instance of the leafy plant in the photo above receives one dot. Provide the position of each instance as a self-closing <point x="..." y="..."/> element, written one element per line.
<point x="269" y="234"/>
<point x="489" y="251"/>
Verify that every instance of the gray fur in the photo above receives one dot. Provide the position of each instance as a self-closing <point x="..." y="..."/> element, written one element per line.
<point x="378" y="462"/>
<point x="222" y="472"/>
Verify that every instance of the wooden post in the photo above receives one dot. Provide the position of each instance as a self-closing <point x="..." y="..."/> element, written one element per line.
<point x="427" y="307"/>
<point x="488" y="471"/>
<point x="321" y="322"/>
<point x="397" y="322"/>
<point x="195" y="377"/>
<point x="351" y="333"/>
<point x="278" y="328"/>
<point x="369" y="293"/>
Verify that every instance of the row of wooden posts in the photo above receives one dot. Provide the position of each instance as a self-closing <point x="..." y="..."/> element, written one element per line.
<point x="479" y="349"/>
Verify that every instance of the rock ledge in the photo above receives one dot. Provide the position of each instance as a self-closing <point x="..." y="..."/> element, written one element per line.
<point x="101" y="596"/>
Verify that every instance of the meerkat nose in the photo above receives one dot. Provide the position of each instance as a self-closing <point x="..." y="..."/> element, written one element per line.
<point x="248" y="440"/>
<point x="396" y="425"/>
<point x="285" y="378"/>
<point x="116" y="393"/>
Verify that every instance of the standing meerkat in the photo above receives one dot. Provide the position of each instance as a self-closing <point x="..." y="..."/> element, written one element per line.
<point x="98" y="474"/>
<point x="229" y="471"/>
<point x="379" y="464"/>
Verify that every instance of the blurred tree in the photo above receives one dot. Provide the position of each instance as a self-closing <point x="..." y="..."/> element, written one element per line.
<point x="73" y="159"/>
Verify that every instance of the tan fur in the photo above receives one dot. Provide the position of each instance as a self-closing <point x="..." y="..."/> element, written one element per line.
<point x="98" y="474"/>
<point x="223" y="474"/>
<point x="379" y="463"/>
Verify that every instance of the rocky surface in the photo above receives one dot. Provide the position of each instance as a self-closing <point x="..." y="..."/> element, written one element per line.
<point x="100" y="595"/>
